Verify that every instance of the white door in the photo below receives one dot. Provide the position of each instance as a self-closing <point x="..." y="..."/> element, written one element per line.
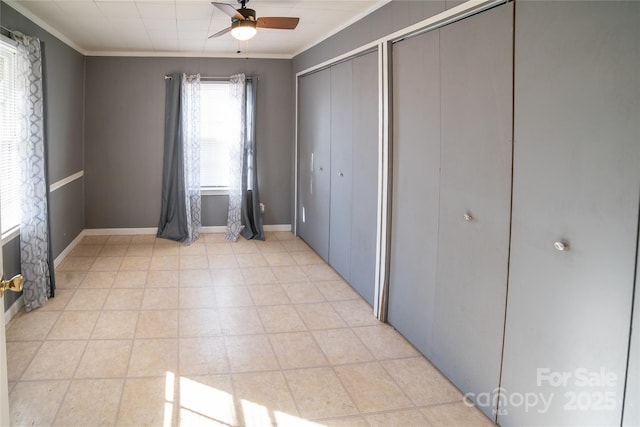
<point x="4" y="386"/>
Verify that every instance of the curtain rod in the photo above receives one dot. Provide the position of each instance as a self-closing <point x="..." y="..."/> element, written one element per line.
<point x="7" y="29"/>
<point x="212" y="78"/>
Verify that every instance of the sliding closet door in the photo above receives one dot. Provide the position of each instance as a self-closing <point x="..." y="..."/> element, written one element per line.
<point x="364" y="210"/>
<point x="575" y="211"/>
<point x="341" y="168"/>
<point x="338" y="167"/>
<point x="314" y="142"/>
<point x="415" y="188"/>
<point x="475" y="198"/>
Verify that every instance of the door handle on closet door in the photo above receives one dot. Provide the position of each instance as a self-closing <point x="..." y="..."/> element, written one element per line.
<point x="340" y="174"/>
<point x="561" y="245"/>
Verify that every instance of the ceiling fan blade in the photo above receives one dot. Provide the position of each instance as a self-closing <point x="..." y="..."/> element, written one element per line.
<point x="221" y="32"/>
<point x="280" y="23"/>
<point x="229" y="10"/>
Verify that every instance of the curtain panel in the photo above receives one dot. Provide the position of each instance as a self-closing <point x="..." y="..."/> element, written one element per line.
<point x="237" y="104"/>
<point x="244" y="198"/>
<point x="252" y="214"/>
<point x="180" y="211"/>
<point x="190" y="116"/>
<point x="35" y="255"/>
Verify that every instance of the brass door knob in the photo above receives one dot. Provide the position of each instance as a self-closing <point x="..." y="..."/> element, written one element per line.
<point x="14" y="284"/>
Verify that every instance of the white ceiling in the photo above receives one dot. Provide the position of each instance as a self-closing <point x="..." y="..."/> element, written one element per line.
<point x="182" y="27"/>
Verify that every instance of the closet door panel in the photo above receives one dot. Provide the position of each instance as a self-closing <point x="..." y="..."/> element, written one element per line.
<point x="631" y="415"/>
<point x="475" y="197"/>
<point x="341" y="174"/>
<point x="314" y="142"/>
<point x="576" y="180"/>
<point x="365" y="175"/>
<point x="415" y="188"/>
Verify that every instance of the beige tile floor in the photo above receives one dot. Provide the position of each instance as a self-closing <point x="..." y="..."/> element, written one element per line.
<point x="144" y="331"/>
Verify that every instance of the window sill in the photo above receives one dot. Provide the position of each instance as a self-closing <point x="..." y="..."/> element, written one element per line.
<point x="214" y="191"/>
<point x="10" y="235"/>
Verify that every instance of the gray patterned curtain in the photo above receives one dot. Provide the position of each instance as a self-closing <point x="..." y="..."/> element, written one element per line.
<point x="244" y="197"/>
<point x="238" y="95"/>
<point x="180" y="212"/>
<point x="251" y="213"/>
<point x="191" y="141"/>
<point x="34" y="227"/>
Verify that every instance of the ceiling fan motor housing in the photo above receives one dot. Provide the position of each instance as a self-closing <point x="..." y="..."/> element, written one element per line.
<point x="249" y="14"/>
<point x="244" y="21"/>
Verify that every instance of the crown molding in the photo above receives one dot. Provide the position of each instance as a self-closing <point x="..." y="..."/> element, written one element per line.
<point x="46" y="27"/>
<point x="350" y="22"/>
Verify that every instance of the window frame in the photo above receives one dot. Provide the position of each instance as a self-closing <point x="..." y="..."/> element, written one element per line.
<point x="208" y="190"/>
<point x="8" y="235"/>
<point x="214" y="191"/>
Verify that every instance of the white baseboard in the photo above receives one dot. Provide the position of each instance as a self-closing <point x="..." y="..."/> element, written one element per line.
<point x="19" y="303"/>
<point x="213" y="229"/>
<point x="13" y="310"/>
<point x="154" y="230"/>
<point x="223" y="228"/>
<point x="147" y="231"/>
<point x="68" y="249"/>
<point x="119" y="231"/>
<point x="277" y="227"/>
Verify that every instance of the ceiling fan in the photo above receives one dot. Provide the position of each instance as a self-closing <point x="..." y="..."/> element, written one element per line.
<point x="244" y="21"/>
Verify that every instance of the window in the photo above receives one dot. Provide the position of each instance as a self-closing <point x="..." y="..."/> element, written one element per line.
<point x="9" y="155"/>
<point x="214" y="135"/>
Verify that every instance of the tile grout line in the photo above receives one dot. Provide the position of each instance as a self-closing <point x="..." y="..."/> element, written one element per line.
<point x="84" y="350"/>
<point x="332" y="366"/>
<point x="280" y="371"/>
<point x="176" y="379"/>
<point x="126" y="372"/>
<point x="329" y="301"/>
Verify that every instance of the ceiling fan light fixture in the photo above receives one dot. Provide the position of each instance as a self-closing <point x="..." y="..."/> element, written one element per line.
<point x="243" y="30"/>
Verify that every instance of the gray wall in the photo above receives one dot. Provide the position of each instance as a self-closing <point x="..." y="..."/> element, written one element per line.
<point x="11" y="264"/>
<point x="124" y="137"/>
<point x="393" y="16"/>
<point x="64" y="110"/>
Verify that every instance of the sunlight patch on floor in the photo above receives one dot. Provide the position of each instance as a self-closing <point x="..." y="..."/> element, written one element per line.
<point x="197" y="403"/>
<point x="201" y="404"/>
<point x="288" y="420"/>
<point x="255" y="414"/>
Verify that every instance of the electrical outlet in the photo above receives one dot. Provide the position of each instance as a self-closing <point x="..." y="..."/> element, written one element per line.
<point x="261" y="207"/>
